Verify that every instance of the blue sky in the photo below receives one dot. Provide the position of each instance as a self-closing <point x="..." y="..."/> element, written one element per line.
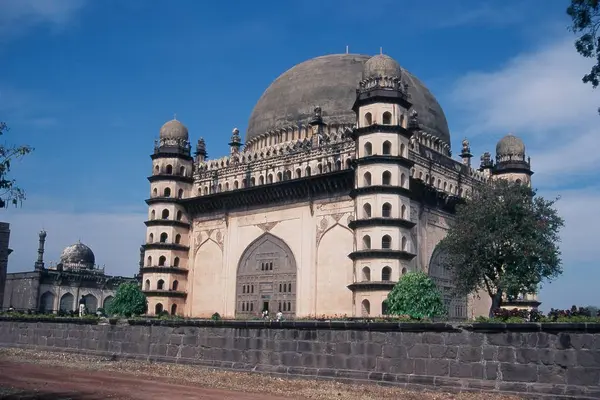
<point x="89" y="84"/>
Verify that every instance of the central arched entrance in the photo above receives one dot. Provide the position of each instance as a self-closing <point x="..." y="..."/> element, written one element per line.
<point x="444" y="280"/>
<point x="266" y="278"/>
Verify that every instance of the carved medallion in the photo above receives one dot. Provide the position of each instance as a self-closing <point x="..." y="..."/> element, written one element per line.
<point x="267" y="226"/>
<point x="338" y="216"/>
<point x="219" y="237"/>
<point x="323" y="224"/>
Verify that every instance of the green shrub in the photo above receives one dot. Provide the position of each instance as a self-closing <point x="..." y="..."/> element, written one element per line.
<point x="129" y="301"/>
<point x="416" y="296"/>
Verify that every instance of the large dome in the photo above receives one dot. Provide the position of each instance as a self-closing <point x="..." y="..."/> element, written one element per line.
<point x="331" y="82"/>
<point x="77" y="255"/>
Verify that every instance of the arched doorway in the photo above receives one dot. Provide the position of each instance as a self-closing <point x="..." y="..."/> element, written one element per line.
<point x="66" y="302"/>
<point x="107" y="301"/>
<point x="266" y="278"/>
<point x="47" y="302"/>
<point x="91" y="303"/>
<point x="158" y="308"/>
<point x="443" y="279"/>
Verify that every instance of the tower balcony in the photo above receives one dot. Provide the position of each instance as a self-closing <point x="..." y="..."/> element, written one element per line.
<point x="164" y="270"/>
<point x="381" y="253"/>
<point x="162" y="199"/>
<point x="366" y="286"/>
<point x="167" y="222"/>
<point x="383" y="221"/>
<point x="385" y="159"/>
<point x="165" y="293"/>
<point x="380" y="189"/>
<point x="379" y="128"/>
<point x="171" y="177"/>
<point x="165" y="246"/>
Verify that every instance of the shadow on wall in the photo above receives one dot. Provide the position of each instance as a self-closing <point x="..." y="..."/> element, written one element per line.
<point x="30" y="395"/>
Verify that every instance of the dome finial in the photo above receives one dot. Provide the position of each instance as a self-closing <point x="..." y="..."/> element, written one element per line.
<point x="174" y="116"/>
<point x="347" y="49"/>
<point x="381" y="50"/>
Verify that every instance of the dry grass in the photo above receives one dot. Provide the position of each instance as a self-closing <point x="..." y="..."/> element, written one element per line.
<point x="236" y="381"/>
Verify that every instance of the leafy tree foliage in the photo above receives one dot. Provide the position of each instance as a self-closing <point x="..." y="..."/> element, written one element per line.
<point x="504" y="240"/>
<point x="129" y="301"/>
<point x="585" y="15"/>
<point x="10" y="193"/>
<point x="415" y="295"/>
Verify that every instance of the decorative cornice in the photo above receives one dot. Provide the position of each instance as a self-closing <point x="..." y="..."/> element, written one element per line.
<point x="165" y="246"/>
<point x="165" y="293"/>
<point x="381" y="253"/>
<point x="164" y="270"/>
<point x="170" y="177"/>
<point x="370" y="285"/>
<point x="310" y="188"/>
<point x="380" y="189"/>
<point x="159" y="199"/>
<point x="370" y="222"/>
<point x="179" y="156"/>
<point x="377" y="128"/>
<point x="385" y="159"/>
<point x="167" y="222"/>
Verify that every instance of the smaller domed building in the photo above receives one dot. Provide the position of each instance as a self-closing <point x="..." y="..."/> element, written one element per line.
<point x="59" y="287"/>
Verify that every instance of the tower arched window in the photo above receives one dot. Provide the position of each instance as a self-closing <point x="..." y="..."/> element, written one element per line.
<point x="167" y="192"/>
<point x="175" y="285"/>
<point x="328" y="166"/>
<point x="348" y="163"/>
<point x="368" y="119"/>
<point x="403" y="212"/>
<point x="182" y="171"/>
<point x="402" y="150"/>
<point x="226" y="186"/>
<point x="156" y="170"/>
<point x="174" y="309"/>
<point x="386" y="178"/>
<point x="366" y="274"/>
<point x="386" y="242"/>
<point x="307" y="171"/>
<point x="151" y="238"/>
<point x="387" y="118"/>
<point x="384" y="308"/>
<point x="367" y="210"/>
<point x="147" y="287"/>
<point x="236" y="185"/>
<point x="152" y="214"/>
<point x="319" y="169"/>
<point x="177" y="238"/>
<point x="179" y="215"/>
<point x="205" y="190"/>
<point x="386" y="210"/>
<point x="158" y="309"/>
<point x="403" y="180"/>
<point x="180" y="192"/>
<point x="164" y="237"/>
<point x="338" y="165"/>
<point x="261" y="180"/>
<point x="160" y="284"/>
<point x="149" y="261"/>
<point x="368" y="147"/>
<point x="386" y="274"/>
<point x="161" y="261"/>
<point x="404" y="271"/>
<point x="155" y="192"/>
<point x="287" y="175"/>
<point x="402" y="120"/>
<point x="404" y="244"/>
<point x="270" y="178"/>
<point x="367" y="179"/>
<point x="365" y="308"/>
<point x="386" y="148"/>
<point x="279" y="177"/>
<point x="298" y="173"/>
<point x="165" y="214"/>
<point x="252" y="182"/>
<point x="176" y="262"/>
<point x="169" y="169"/>
<point x="366" y="242"/>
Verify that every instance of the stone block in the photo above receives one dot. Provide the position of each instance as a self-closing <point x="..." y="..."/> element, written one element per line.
<point x="443" y="351"/>
<point x="583" y="376"/>
<point x="490" y="370"/>
<point x="433" y="338"/>
<point x="583" y="341"/>
<point x="411" y="338"/>
<point x="519" y="373"/>
<point x="418" y="351"/>
<point x="290" y="359"/>
<point x="506" y="354"/>
<point x="489" y="353"/>
<point x="469" y="354"/>
<point x="308" y="360"/>
<point x="420" y="366"/>
<point x="307" y="347"/>
<point x="527" y="355"/>
<point x="512" y="387"/>
<point x="552" y="374"/>
<point x="403" y="366"/>
<point x="286" y="346"/>
<point x="438" y="367"/>
<point x="511" y="339"/>
<point x="588" y="358"/>
<point x="466" y="370"/>
<point x="565" y="358"/>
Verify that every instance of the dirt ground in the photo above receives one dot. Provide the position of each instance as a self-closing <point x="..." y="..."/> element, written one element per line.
<point x="27" y="374"/>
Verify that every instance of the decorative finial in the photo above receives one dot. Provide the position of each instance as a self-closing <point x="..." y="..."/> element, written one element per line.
<point x="175" y="116"/>
<point x="347" y="49"/>
<point x="381" y="50"/>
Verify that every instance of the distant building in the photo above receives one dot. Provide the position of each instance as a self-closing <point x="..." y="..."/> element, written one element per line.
<point x="59" y="287"/>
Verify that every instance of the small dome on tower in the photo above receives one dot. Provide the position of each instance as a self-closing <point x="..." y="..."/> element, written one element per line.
<point x="77" y="256"/>
<point x="381" y="65"/>
<point x="174" y="130"/>
<point x="510" y="145"/>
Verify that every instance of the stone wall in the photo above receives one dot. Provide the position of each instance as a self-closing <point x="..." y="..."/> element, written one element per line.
<point x="554" y="360"/>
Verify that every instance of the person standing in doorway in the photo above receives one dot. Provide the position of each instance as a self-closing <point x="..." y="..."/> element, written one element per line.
<point x="81" y="307"/>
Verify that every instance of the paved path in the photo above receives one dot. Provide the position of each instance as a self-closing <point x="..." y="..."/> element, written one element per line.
<point x="50" y="382"/>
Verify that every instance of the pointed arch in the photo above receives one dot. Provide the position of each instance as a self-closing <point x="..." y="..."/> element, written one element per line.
<point x="266" y="250"/>
<point x="444" y="280"/>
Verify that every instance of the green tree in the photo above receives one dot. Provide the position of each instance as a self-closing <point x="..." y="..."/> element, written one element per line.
<point x="10" y="193"/>
<point x="585" y="16"/>
<point x="415" y="295"/>
<point x="504" y="240"/>
<point x="129" y="301"/>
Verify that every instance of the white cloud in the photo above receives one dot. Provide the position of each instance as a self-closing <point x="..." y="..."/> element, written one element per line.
<point x="16" y="16"/>
<point x="114" y="238"/>
<point x="540" y="97"/>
